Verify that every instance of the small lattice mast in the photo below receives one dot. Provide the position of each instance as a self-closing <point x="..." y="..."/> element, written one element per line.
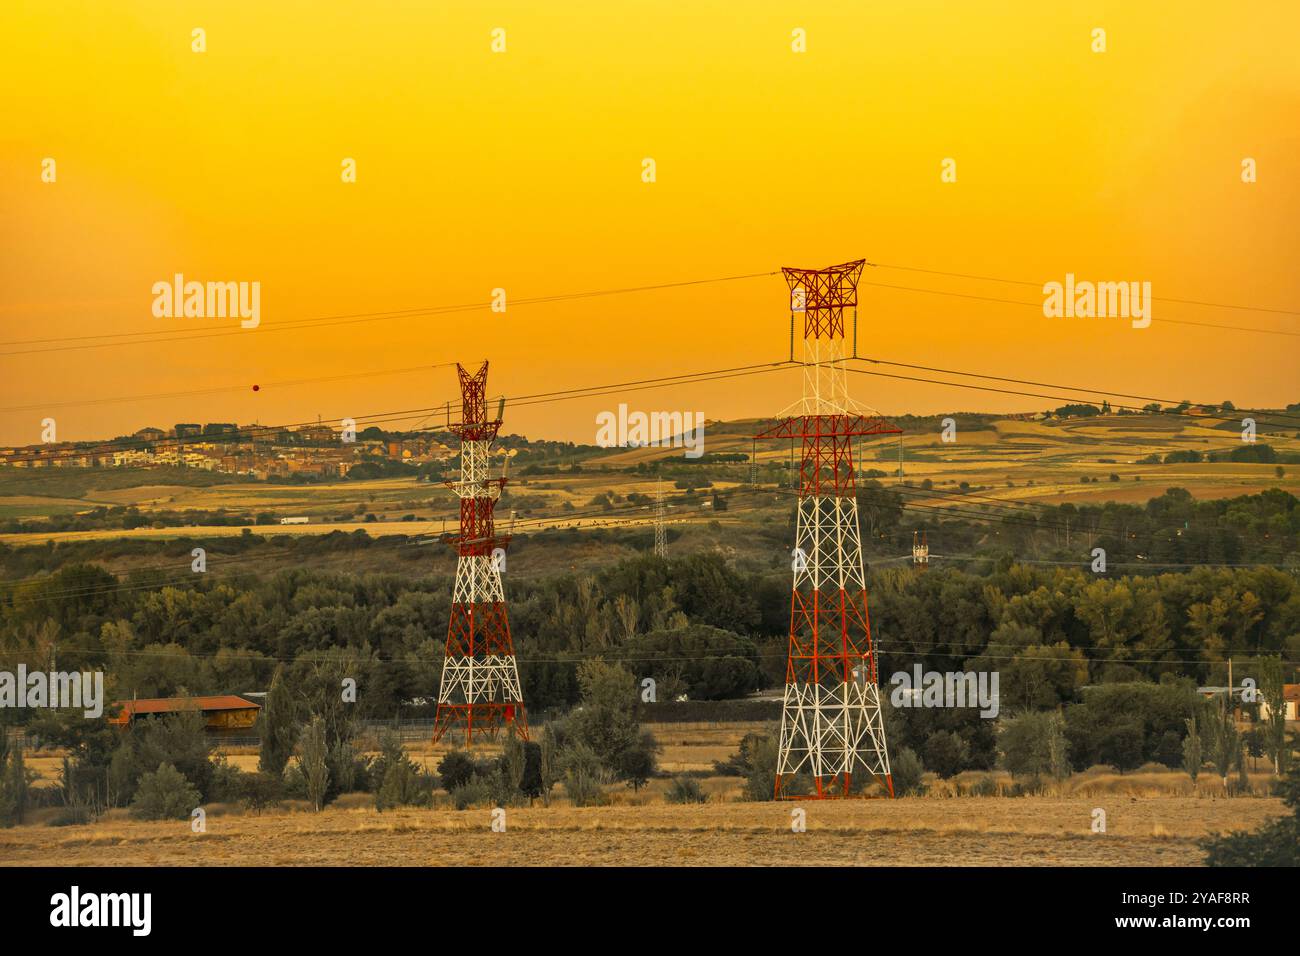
<point x="661" y="536"/>
<point x="831" y="723"/>
<point x="480" y="680"/>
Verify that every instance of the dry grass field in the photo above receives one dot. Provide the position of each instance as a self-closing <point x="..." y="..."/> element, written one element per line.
<point x="1154" y="816"/>
<point x="923" y="831"/>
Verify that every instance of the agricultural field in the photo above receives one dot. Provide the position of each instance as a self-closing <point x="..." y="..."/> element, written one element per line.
<point x="1007" y="460"/>
<point x="916" y="831"/>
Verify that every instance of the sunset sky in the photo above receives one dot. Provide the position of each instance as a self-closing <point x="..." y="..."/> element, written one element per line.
<point x="523" y="170"/>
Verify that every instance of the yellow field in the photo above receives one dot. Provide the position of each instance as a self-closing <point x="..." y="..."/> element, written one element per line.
<point x="969" y="831"/>
<point x="1010" y="460"/>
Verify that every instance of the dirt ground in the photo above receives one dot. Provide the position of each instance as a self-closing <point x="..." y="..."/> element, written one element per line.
<point x="924" y="831"/>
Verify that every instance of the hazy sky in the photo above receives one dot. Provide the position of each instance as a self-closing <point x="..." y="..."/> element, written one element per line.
<point x="523" y="170"/>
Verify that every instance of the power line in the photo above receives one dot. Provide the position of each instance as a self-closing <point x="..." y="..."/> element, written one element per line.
<point x="1005" y="391"/>
<point x="118" y="399"/>
<point x="1038" y="285"/>
<point x="1039" y="305"/>
<point x="216" y="331"/>
<point x="1074" y="388"/>
<point x="589" y="391"/>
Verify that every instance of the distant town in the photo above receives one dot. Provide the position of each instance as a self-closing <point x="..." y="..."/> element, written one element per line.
<point x="319" y="450"/>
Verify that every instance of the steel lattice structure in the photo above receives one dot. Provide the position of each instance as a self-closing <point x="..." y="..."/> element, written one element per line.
<point x="480" y="680"/>
<point x="831" y="723"/>
<point x="661" y="535"/>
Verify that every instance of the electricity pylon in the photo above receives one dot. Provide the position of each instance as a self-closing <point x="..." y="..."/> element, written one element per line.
<point x="661" y="537"/>
<point x="480" y="679"/>
<point x="831" y="723"/>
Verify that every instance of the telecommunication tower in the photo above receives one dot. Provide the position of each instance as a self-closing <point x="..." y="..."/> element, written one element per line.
<point x="480" y="680"/>
<point x="832" y="729"/>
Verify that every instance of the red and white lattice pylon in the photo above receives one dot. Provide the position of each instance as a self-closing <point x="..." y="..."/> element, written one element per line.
<point x="832" y="729"/>
<point x="480" y="689"/>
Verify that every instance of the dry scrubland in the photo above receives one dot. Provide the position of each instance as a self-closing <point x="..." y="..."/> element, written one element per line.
<point x="1155" y="816"/>
<point x="926" y="831"/>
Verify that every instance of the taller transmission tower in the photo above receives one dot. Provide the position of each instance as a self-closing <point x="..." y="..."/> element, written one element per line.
<point x="480" y="680"/>
<point x="661" y="537"/>
<point x="831" y="724"/>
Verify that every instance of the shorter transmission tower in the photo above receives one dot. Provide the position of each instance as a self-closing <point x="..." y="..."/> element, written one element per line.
<point x="480" y="688"/>
<point x="920" y="550"/>
<point x="661" y="537"/>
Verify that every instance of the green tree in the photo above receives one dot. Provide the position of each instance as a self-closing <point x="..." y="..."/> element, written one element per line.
<point x="15" y="783"/>
<point x="514" y="761"/>
<point x="178" y="740"/>
<point x="548" y="770"/>
<point x="606" y="721"/>
<point x="456" y="769"/>
<point x="1193" y="755"/>
<point x="946" y="753"/>
<point x="398" y="781"/>
<point x="277" y="725"/>
<point x="164" y="794"/>
<point x="257" y="791"/>
<point x="313" y="761"/>
<point x="1271" y="686"/>
<point x="1033" y="745"/>
<point x="1221" y="737"/>
<point x="637" y="764"/>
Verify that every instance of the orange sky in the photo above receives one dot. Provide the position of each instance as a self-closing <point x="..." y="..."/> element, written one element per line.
<point x="522" y="170"/>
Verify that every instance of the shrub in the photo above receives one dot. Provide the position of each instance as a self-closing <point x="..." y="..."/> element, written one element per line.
<point x="456" y="769"/>
<point x="403" y="786"/>
<point x="685" y="790"/>
<point x="227" y="781"/>
<point x="472" y="793"/>
<point x="257" y="791"/>
<point x="908" y="773"/>
<point x="637" y="764"/>
<point x="584" y="777"/>
<point x="946" y="753"/>
<point x="164" y="794"/>
<point x="760" y="778"/>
